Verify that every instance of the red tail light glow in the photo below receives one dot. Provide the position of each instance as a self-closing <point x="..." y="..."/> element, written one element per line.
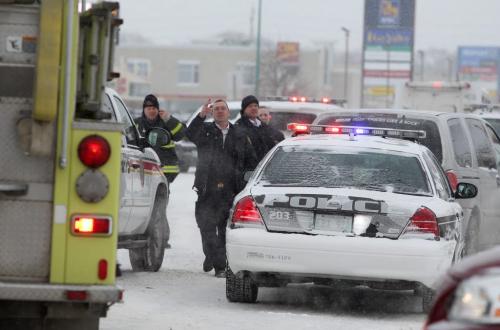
<point x="294" y="99"/>
<point x="423" y="221"/>
<point x="94" y="151"/>
<point x="76" y="295"/>
<point x="246" y="212"/>
<point x="325" y="100"/>
<point x="452" y="179"/>
<point x="303" y="99"/>
<point x="102" y="269"/>
<point x="91" y="225"/>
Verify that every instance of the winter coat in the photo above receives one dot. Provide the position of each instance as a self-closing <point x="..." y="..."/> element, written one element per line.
<point x="166" y="153"/>
<point x="221" y="165"/>
<point x="261" y="138"/>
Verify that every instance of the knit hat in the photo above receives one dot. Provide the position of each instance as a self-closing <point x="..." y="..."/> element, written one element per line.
<point x="247" y="100"/>
<point x="151" y="101"/>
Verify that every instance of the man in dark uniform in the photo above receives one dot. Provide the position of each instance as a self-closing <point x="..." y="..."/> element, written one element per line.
<point x="151" y="118"/>
<point x="222" y="153"/>
<point x="259" y="133"/>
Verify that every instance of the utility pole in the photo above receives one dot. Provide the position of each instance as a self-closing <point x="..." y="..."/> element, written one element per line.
<point x="346" y="62"/>
<point x="257" y="55"/>
<point x="421" y="55"/>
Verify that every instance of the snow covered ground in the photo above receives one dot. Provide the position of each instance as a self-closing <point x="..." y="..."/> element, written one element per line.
<point x="181" y="296"/>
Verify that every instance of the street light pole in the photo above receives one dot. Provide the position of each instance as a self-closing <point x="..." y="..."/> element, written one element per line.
<point x="257" y="55"/>
<point x="421" y="55"/>
<point x="346" y="61"/>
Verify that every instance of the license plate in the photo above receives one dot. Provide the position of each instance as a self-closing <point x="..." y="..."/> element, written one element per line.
<point x="280" y="217"/>
<point x="334" y="223"/>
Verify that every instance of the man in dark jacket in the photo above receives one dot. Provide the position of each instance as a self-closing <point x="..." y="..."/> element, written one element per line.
<point x="265" y="117"/>
<point x="222" y="153"/>
<point x="258" y="132"/>
<point x="151" y="119"/>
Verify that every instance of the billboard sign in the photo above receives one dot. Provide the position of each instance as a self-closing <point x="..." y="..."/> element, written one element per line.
<point x="387" y="49"/>
<point x="288" y="52"/>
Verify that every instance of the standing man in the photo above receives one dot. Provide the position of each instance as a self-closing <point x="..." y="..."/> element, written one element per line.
<point x="255" y="129"/>
<point x="222" y="153"/>
<point x="265" y="117"/>
<point x="152" y="118"/>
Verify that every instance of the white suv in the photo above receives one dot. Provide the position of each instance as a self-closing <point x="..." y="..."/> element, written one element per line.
<point x="462" y="144"/>
<point x="142" y="225"/>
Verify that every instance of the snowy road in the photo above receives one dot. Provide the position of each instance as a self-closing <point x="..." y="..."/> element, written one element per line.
<point x="181" y="296"/>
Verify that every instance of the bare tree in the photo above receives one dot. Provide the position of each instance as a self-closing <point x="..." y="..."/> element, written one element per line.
<point x="277" y="77"/>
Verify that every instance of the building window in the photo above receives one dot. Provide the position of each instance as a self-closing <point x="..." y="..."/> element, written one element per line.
<point x="246" y="71"/>
<point x="188" y="72"/>
<point x="139" y="67"/>
<point x="139" y="89"/>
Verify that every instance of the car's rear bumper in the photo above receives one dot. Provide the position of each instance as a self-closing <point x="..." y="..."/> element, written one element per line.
<point x="416" y="260"/>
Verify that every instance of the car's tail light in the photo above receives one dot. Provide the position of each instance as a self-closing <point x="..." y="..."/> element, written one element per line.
<point x="423" y="222"/>
<point x="91" y="225"/>
<point x="246" y="212"/>
<point x="94" y="151"/>
<point x="452" y="179"/>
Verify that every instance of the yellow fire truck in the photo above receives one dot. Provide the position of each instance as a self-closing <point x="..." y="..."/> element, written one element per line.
<point x="59" y="165"/>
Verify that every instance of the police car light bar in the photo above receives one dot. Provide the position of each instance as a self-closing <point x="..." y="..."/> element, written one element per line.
<point x="304" y="99"/>
<point x="298" y="128"/>
<point x="438" y="85"/>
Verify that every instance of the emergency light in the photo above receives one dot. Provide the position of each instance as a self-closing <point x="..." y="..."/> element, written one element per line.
<point x="94" y="151"/>
<point x="298" y="129"/>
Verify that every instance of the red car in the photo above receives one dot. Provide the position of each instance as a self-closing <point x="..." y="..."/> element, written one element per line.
<point x="469" y="295"/>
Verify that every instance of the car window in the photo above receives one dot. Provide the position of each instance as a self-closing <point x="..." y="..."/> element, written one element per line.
<point x="129" y="131"/>
<point x="107" y="107"/>
<point x="481" y="141"/>
<point x="461" y="147"/>
<point x="280" y="120"/>
<point x="342" y="167"/>
<point x="495" y="122"/>
<point x="438" y="176"/>
<point x="496" y="142"/>
<point x="396" y="121"/>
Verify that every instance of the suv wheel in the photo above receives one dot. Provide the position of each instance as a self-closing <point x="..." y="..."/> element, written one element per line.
<point x="240" y="289"/>
<point x="150" y="257"/>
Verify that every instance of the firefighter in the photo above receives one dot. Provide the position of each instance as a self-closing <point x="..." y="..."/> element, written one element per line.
<point x="151" y="118"/>
<point x="222" y="153"/>
<point x="259" y="133"/>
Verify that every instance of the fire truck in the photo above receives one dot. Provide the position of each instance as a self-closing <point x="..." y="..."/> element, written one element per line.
<point x="59" y="165"/>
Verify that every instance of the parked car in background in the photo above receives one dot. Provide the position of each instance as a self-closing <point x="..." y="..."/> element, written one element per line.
<point x="355" y="208"/>
<point x="142" y="226"/>
<point x="462" y="145"/>
<point x="468" y="298"/>
<point x="284" y="110"/>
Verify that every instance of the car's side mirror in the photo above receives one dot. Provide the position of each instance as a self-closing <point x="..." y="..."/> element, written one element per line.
<point x="158" y="137"/>
<point x="465" y="190"/>
<point x="247" y="175"/>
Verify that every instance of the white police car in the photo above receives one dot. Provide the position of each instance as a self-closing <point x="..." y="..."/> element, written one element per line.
<point x="351" y="208"/>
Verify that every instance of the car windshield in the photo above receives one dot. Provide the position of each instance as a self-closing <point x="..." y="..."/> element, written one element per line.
<point x="495" y="122"/>
<point x="395" y="121"/>
<point x="345" y="168"/>
<point x="281" y="119"/>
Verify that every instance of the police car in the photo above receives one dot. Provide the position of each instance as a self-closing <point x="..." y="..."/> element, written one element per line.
<point x="345" y="207"/>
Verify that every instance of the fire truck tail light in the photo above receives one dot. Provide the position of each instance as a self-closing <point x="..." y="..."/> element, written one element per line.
<point x="102" y="269"/>
<point x="94" y="151"/>
<point x="76" y="295"/>
<point x="91" y="225"/>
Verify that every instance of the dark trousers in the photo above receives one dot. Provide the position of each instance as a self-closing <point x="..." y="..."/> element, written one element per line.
<point x="211" y="214"/>
<point x="170" y="176"/>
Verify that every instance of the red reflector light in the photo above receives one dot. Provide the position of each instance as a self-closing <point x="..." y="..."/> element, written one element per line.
<point x="89" y="225"/>
<point x="102" y="269"/>
<point x="452" y="179"/>
<point x="94" y="151"/>
<point x="332" y="130"/>
<point x="246" y="211"/>
<point x="424" y="221"/>
<point x="76" y="295"/>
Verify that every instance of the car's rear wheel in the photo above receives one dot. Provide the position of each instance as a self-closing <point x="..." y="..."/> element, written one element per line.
<point x="150" y="257"/>
<point x="427" y="299"/>
<point x="240" y="289"/>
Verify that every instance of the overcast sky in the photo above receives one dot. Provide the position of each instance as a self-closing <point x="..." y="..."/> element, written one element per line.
<point x="439" y="23"/>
